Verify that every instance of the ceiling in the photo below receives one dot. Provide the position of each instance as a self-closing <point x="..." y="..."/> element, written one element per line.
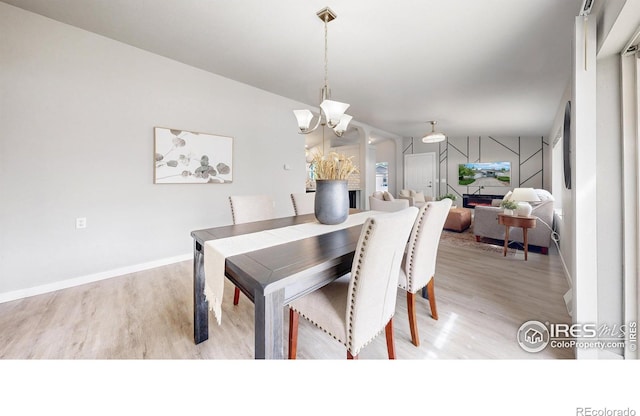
<point x="492" y="67"/>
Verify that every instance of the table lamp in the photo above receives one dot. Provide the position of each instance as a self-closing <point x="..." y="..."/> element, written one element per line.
<point x="523" y="196"/>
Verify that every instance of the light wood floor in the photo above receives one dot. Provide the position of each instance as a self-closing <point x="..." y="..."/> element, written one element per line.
<point x="482" y="298"/>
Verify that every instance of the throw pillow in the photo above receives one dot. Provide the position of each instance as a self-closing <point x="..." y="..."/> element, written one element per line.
<point x="378" y="195"/>
<point x="388" y="197"/>
<point x="405" y="192"/>
<point x="544" y="195"/>
<point x="419" y="197"/>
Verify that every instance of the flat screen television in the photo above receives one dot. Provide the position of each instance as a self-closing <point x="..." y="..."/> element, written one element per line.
<point x="496" y="174"/>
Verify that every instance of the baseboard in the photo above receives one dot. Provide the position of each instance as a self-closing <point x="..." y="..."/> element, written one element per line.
<point x="77" y="281"/>
<point x="568" y="297"/>
<point x="567" y="275"/>
<point x="568" y="301"/>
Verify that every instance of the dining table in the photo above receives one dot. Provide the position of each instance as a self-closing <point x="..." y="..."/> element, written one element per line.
<point x="273" y="276"/>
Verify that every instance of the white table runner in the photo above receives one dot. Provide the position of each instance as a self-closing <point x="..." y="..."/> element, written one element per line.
<point x="216" y="251"/>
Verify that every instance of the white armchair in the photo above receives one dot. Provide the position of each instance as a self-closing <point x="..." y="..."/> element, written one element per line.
<point x="416" y="199"/>
<point x="383" y="201"/>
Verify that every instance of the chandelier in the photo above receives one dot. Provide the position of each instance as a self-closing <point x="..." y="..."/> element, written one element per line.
<point x="331" y="112"/>
<point x="433" y="136"/>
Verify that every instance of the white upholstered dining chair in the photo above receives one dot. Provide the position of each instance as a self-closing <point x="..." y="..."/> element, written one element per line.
<point x="303" y="203"/>
<point x="419" y="265"/>
<point x="359" y="306"/>
<point x="250" y="208"/>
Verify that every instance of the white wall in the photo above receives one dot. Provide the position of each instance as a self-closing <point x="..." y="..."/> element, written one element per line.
<point x="77" y="112"/>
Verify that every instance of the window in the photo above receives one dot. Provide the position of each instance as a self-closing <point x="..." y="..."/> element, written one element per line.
<point x="382" y="176"/>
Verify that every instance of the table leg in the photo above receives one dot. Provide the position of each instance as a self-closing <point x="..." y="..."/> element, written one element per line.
<point x="269" y="325"/>
<point x="526" y="243"/>
<point x="200" y="303"/>
<point x="506" y="241"/>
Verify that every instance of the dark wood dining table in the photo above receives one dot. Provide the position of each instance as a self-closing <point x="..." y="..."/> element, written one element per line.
<point x="274" y="276"/>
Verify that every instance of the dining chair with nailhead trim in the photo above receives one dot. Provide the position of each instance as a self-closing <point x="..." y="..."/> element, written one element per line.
<point x="359" y="306"/>
<point x="303" y="203"/>
<point x="419" y="265"/>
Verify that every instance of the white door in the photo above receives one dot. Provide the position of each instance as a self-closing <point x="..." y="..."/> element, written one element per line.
<point x="420" y="173"/>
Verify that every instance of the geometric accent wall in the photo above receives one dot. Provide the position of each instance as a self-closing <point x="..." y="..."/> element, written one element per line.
<point x="525" y="154"/>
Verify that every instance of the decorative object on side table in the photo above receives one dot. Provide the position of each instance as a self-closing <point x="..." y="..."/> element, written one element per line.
<point x="332" y="195"/>
<point x="509" y="207"/>
<point x="522" y="196"/>
<point x="190" y="157"/>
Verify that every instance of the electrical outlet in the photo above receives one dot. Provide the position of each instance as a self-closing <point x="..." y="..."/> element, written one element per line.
<point x="81" y="223"/>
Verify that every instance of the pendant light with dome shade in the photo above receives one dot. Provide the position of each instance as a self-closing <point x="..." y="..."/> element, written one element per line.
<point x="332" y="113"/>
<point x="433" y="136"/>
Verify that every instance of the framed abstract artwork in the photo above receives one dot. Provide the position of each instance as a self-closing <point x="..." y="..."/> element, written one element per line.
<point x="189" y="157"/>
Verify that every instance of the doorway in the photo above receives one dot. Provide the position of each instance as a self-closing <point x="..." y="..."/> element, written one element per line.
<point x="420" y="173"/>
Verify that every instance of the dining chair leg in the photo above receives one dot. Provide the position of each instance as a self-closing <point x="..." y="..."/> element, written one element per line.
<point x="236" y="296"/>
<point x="413" y="320"/>
<point x="351" y="357"/>
<point x="432" y="299"/>
<point x="391" y="347"/>
<point x="293" y="334"/>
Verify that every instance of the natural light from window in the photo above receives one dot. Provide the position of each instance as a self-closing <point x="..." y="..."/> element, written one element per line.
<point x="382" y="176"/>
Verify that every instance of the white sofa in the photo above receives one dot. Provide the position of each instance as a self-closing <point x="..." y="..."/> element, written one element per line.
<point x="485" y="223"/>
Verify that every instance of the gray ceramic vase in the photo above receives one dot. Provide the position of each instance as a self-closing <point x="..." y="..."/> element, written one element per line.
<point x="332" y="201"/>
